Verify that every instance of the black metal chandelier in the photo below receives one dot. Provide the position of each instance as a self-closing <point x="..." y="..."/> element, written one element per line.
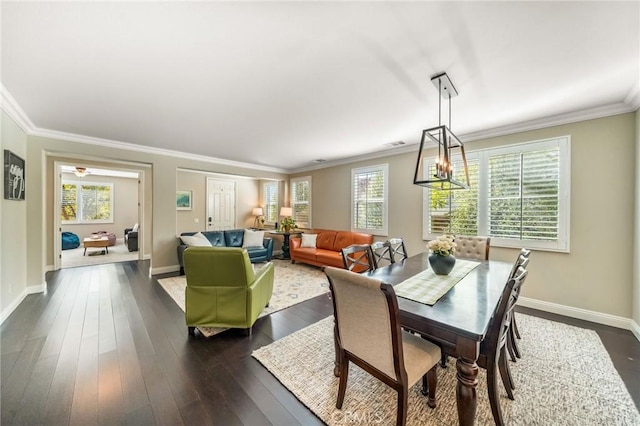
<point x="444" y="177"/>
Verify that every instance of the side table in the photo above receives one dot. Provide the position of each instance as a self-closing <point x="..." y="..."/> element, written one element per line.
<point x="285" y="241"/>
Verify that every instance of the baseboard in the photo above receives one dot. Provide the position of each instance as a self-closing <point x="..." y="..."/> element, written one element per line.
<point x="583" y="314"/>
<point x="13" y="305"/>
<point x="164" y="270"/>
<point x="146" y="257"/>
<point x="49" y="268"/>
<point x="635" y="329"/>
<point x="40" y="288"/>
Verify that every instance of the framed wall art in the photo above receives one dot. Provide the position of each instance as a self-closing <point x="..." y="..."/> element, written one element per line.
<point x="14" y="176"/>
<point x="183" y="200"/>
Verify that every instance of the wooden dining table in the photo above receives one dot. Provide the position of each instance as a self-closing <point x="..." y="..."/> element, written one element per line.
<point x="460" y="319"/>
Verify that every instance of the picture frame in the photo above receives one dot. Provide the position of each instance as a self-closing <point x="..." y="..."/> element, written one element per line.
<point x="14" y="177"/>
<point x="183" y="200"/>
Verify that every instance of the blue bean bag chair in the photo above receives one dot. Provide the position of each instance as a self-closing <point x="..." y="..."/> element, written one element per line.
<point x="70" y="241"/>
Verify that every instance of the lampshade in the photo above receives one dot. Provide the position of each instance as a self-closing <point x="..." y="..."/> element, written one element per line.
<point x="286" y="211"/>
<point x="80" y="171"/>
<point x="257" y="211"/>
<point x="444" y="176"/>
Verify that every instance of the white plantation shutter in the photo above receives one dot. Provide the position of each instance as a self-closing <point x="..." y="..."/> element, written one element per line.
<point x="519" y="197"/>
<point x="523" y="195"/>
<point x="301" y="201"/>
<point x="270" y="201"/>
<point x="69" y="202"/>
<point x="369" y="199"/>
<point x="455" y="212"/>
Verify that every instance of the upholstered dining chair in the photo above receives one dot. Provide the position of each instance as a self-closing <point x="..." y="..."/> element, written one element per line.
<point x="382" y="253"/>
<point x="493" y="352"/>
<point x="358" y="258"/>
<point x="512" y="345"/>
<point x="368" y="333"/>
<point x="471" y="247"/>
<point x="398" y="249"/>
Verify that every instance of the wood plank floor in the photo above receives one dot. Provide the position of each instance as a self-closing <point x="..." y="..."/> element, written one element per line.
<point x="107" y="345"/>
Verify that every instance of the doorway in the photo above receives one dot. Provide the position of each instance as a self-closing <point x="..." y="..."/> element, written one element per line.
<point x="93" y="205"/>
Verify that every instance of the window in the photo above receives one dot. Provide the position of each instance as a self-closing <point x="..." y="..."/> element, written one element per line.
<point x="87" y="202"/>
<point x="519" y="197"/>
<point x="369" y="196"/>
<point x="301" y="201"/>
<point x="270" y="201"/>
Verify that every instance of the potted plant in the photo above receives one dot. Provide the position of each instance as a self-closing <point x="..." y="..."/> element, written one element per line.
<point x="441" y="258"/>
<point x="288" y="224"/>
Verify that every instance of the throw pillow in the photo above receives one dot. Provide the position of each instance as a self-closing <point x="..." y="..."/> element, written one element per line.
<point x="252" y="238"/>
<point x="197" y="240"/>
<point x="308" y="240"/>
<point x="135" y="228"/>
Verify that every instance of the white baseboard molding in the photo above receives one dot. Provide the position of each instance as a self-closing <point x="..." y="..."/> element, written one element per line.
<point x="635" y="329"/>
<point x="146" y="257"/>
<point x="164" y="270"/>
<point x="49" y="268"/>
<point x="579" y="313"/>
<point x="18" y="300"/>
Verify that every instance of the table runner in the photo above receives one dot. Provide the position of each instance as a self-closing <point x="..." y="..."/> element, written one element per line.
<point x="427" y="287"/>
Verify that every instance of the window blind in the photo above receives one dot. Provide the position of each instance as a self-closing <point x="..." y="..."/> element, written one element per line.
<point x="270" y="194"/>
<point x="370" y="199"/>
<point x="301" y="201"/>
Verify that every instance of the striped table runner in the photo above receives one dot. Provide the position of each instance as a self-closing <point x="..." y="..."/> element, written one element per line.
<point x="427" y="287"/>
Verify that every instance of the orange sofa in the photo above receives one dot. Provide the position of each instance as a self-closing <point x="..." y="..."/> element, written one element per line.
<point x="328" y="247"/>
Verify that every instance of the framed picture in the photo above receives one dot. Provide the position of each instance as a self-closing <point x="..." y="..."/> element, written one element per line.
<point x="14" y="176"/>
<point x="183" y="200"/>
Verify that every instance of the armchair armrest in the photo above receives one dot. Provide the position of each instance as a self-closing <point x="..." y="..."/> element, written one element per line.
<point x="132" y="241"/>
<point x="294" y="242"/>
<point x="260" y="291"/>
<point x="268" y="244"/>
<point x="181" y="248"/>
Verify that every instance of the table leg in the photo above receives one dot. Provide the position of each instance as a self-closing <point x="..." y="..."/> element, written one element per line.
<point x="466" y="393"/>
<point x="107" y="249"/>
<point x="285" y="247"/>
<point x="85" y="251"/>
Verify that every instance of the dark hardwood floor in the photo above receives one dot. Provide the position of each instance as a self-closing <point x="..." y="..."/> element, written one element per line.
<point x="107" y="345"/>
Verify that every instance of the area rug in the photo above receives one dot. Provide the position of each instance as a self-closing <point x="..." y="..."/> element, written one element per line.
<point x="565" y="377"/>
<point x="292" y="284"/>
<point x="75" y="257"/>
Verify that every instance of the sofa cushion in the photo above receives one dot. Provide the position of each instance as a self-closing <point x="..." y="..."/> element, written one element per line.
<point x="308" y="240"/>
<point x="234" y="237"/>
<point x="329" y="257"/>
<point x="216" y="238"/>
<point x="306" y="253"/>
<point x="326" y="240"/>
<point x="346" y="238"/>
<point x="252" y="238"/>
<point x="196" y="240"/>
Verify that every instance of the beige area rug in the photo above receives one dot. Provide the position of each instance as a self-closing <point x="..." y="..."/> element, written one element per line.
<point x="292" y="284"/>
<point x="565" y="377"/>
<point x="117" y="253"/>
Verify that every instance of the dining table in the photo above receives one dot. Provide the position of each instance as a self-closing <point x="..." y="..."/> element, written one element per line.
<point x="459" y="319"/>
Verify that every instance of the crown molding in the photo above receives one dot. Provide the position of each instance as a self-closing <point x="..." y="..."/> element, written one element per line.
<point x="631" y="103"/>
<point x="13" y="110"/>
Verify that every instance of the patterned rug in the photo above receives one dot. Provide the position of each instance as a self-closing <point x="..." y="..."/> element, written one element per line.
<point x="292" y="284"/>
<point x="565" y="377"/>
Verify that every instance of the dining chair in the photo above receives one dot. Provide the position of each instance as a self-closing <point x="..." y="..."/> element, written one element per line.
<point x="398" y="249"/>
<point x="368" y="333"/>
<point x="382" y="253"/>
<point x="472" y="247"/>
<point x="493" y="352"/>
<point x="358" y="258"/>
<point x="512" y="345"/>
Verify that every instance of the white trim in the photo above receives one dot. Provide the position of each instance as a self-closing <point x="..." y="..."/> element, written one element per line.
<point x="633" y="97"/>
<point x="635" y="329"/>
<point x="164" y="270"/>
<point x="384" y="168"/>
<point x="49" y="268"/>
<point x="146" y="257"/>
<point x="80" y="204"/>
<point x="307" y="178"/>
<point x="18" y="300"/>
<point x="13" y="110"/>
<point x="579" y="313"/>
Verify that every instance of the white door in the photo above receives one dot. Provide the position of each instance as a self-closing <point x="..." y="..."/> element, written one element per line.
<point x="221" y="204"/>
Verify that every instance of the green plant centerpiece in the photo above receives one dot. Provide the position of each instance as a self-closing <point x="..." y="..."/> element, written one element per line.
<point x="441" y="258"/>
<point x="288" y="224"/>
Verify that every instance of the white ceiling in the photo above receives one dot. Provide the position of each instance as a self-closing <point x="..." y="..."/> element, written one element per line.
<point x="282" y="84"/>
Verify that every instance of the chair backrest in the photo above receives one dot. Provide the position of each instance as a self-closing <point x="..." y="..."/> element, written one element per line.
<point x="522" y="260"/>
<point x="472" y="247"/>
<point x="497" y="334"/>
<point x="218" y="266"/>
<point x="366" y="315"/>
<point x="358" y="258"/>
<point x="398" y="250"/>
<point x="382" y="253"/>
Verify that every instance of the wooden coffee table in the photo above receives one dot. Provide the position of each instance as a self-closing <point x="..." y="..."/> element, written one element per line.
<point x="96" y="242"/>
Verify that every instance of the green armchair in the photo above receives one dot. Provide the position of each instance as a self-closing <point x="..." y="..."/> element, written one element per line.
<point x="222" y="288"/>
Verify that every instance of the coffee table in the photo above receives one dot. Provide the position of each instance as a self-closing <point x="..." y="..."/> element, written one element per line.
<point x="96" y="242"/>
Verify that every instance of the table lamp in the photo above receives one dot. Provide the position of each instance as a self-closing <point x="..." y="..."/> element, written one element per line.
<point x="257" y="212"/>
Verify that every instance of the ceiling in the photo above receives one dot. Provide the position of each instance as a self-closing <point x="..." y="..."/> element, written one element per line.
<point x="282" y="84"/>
